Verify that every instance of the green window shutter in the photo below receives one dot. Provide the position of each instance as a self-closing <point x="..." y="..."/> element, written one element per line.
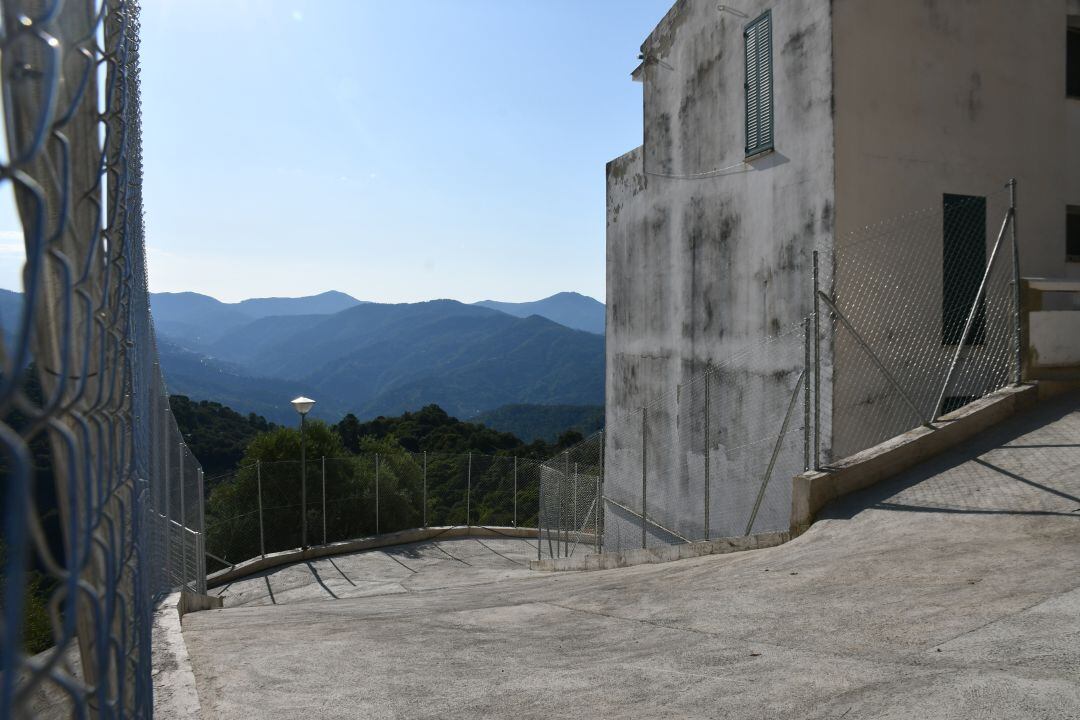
<point x="759" y="84"/>
<point x="963" y="262"/>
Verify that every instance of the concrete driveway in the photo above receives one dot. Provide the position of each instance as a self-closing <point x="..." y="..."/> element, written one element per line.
<point x="951" y="592"/>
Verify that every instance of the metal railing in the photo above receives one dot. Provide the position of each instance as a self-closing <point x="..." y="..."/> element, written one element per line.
<point x="102" y="501"/>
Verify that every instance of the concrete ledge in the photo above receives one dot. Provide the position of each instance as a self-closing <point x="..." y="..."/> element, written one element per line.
<point x="666" y="553"/>
<point x="175" y="695"/>
<point x="402" y="537"/>
<point x="813" y="490"/>
<point x="194" y="602"/>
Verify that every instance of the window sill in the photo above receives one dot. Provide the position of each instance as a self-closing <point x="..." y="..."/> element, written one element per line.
<point x="758" y="154"/>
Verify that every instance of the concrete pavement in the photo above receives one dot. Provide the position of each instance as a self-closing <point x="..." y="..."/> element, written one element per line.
<point x="952" y="591"/>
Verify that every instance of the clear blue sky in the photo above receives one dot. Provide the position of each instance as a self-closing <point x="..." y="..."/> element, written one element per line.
<point x="394" y="150"/>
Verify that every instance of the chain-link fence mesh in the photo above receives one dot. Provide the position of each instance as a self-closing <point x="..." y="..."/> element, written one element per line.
<point x="102" y="501"/>
<point x="570" y="512"/>
<point x="257" y="509"/>
<point x="713" y="457"/>
<point x="921" y="319"/>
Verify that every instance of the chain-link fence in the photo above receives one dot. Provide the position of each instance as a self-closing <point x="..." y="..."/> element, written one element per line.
<point x="260" y="508"/>
<point x="102" y="501"/>
<point x="570" y="512"/>
<point x="713" y="457"/>
<point x="921" y="319"/>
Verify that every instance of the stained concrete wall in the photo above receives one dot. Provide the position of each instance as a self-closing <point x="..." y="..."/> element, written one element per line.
<point x="707" y="255"/>
<point x="948" y="96"/>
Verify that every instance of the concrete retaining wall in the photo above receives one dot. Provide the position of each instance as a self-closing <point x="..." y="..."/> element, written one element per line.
<point x="666" y="553"/>
<point x="402" y="537"/>
<point x="813" y="490"/>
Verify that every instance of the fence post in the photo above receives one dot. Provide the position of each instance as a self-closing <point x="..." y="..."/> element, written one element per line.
<point x="258" y="481"/>
<point x="323" y="499"/>
<point x="596" y="520"/>
<point x="558" y="516"/>
<point x="540" y="516"/>
<point x="168" y="500"/>
<point x="183" y="523"/>
<point x="644" y="472"/>
<point x="468" y="493"/>
<point x="425" y="488"/>
<point x="577" y="525"/>
<point x="806" y="394"/>
<point x="565" y="527"/>
<point x="376" y="493"/>
<point x="601" y="514"/>
<point x="200" y="564"/>
<point x="1018" y="359"/>
<point x="817" y="364"/>
<point x="708" y="478"/>
<point x="515" y="490"/>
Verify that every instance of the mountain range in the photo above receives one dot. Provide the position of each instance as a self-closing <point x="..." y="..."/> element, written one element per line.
<point x="372" y="358"/>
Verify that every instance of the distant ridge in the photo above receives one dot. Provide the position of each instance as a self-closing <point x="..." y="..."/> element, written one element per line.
<point x="380" y="359"/>
<point x="571" y="309"/>
<point x="203" y="319"/>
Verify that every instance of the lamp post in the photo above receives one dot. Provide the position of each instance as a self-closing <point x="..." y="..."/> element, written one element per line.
<point x="303" y="406"/>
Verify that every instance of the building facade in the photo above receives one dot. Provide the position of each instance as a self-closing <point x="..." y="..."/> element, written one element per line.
<point x="776" y="129"/>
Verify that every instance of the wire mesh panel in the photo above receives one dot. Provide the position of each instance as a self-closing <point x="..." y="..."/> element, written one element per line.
<point x="714" y="456"/>
<point x="102" y="501"/>
<point x="257" y="509"/>
<point x="570" y="512"/>
<point x="921" y="318"/>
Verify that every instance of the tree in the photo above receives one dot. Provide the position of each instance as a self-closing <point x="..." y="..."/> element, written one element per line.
<point x="272" y="461"/>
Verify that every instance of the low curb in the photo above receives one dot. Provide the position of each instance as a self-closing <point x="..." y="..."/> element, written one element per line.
<point x="664" y="553"/>
<point x="812" y="491"/>
<point x="402" y="537"/>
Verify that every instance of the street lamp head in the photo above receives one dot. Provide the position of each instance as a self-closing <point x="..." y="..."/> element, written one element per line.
<point x="303" y="405"/>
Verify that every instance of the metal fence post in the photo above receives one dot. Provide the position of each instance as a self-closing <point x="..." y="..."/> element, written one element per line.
<point x="806" y="395"/>
<point x="1018" y="358"/>
<point x="376" y="493"/>
<point x="515" y="490"/>
<point x="468" y="493"/>
<point x="708" y="478"/>
<point x="183" y="523"/>
<point x="601" y="515"/>
<point x="258" y="481"/>
<point x="168" y="499"/>
<point x="323" y="499"/>
<point x="817" y="364"/>
<point x="596" y="520"/>
<point x="425" y="488"/>
<point x="644" y="471"/>
<point x="200" y="564"/>
<point x="564" y="526"/>
<point x="577" y="525"/>
<point x="558" y="516"/>
<point x="540" y="518"/>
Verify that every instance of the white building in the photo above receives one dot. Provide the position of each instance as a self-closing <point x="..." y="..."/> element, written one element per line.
<point x="774" y="128"/>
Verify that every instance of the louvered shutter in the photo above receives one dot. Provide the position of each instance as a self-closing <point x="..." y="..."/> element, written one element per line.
<point x="759" y="85"/>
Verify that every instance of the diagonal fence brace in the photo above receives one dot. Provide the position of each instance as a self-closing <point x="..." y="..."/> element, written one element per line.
<point x="874" y="358"/>
<point x="775" y="452"/>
